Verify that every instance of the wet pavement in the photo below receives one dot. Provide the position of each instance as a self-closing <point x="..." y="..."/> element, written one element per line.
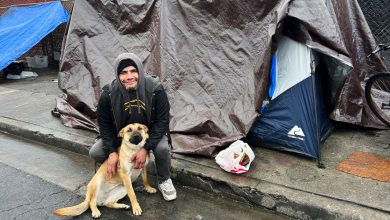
<point x="37" y="179"/>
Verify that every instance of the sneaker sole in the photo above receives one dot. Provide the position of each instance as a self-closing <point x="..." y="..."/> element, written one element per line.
<point x="168" y="197"/>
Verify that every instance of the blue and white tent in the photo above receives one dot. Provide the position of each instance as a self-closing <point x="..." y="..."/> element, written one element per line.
<point x="21" y="27"/>
<point x="295" y="118"/>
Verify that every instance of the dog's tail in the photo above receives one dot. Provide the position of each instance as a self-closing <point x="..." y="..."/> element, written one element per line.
<point x="73" y="210"/>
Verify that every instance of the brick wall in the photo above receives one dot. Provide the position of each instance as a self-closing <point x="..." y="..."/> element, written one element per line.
<point x="7" y="3"/>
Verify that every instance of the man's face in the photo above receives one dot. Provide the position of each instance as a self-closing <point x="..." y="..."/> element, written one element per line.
<point x="129" y="77"/>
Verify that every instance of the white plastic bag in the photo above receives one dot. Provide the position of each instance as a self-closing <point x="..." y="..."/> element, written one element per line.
<point x="237" y="158"/>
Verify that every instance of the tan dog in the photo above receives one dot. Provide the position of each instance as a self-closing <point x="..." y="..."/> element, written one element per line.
<point x="103" y="190"/>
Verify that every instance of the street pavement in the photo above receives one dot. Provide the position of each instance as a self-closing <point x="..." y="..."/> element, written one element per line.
<point x="36" y="179"/>
<point x="285" y="183"/>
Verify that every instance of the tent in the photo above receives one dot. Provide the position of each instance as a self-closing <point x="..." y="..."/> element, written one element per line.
<point x="212" y="58"/>
<point x="296" y="118"/>
<point x="21" y="27"/>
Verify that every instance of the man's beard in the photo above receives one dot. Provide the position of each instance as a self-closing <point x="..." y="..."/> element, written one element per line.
<point x="129" y="88"/>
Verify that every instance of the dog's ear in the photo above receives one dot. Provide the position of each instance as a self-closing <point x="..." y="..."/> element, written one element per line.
<point x="122" y="132"/>
<point x="146" y="128"/>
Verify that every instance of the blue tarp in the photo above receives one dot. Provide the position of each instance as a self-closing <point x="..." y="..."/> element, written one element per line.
<point x="21" y="27"/>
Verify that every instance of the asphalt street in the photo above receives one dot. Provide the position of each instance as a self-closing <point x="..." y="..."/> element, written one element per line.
<point x="37" y="179"/>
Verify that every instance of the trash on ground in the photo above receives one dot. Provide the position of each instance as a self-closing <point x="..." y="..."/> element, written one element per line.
<point x="366" y="164"/>
<point x="22" y="75"/>
<point x="237" y="158"/>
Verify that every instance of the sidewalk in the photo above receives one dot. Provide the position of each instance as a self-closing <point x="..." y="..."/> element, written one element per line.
<point x="286" y="183"/>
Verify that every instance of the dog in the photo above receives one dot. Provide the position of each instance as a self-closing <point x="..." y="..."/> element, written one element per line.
<point x="105" y="191"/>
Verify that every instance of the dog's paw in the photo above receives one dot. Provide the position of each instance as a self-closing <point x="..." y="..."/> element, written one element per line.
<point x="96" y="214"/>
<point x="122" y="206"/>
<point x="150" y="189"/>
<point x="136" y="209"/>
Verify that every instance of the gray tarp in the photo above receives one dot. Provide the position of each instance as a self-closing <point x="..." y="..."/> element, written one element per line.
<point x="212" y="58"/>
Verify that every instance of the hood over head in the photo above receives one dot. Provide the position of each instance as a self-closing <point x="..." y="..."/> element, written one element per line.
<point x="126" y="63"/>
<point x="140" y="91"/>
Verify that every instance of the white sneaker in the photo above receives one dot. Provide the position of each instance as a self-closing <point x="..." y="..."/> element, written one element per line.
<point x="167" y="189"/>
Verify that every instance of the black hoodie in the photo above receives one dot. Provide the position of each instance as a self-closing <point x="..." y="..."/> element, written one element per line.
<point x="112" y="117"/>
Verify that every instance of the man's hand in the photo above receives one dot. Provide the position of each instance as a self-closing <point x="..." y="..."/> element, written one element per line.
<point x="112" y="164"/>
<point x="139" y="158"/>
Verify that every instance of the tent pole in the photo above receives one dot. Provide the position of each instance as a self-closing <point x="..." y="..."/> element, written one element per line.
<point x="320" y="164"/>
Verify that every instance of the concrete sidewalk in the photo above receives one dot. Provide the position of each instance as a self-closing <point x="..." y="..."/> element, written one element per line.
<point x="286" y="183"/>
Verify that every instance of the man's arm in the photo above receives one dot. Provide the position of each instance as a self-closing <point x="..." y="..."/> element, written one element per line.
<point x="105" y="122"/>
<point x="107" y="132"/>
<point x="159" y="125"/>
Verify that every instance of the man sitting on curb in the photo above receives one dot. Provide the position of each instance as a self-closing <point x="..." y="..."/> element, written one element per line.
<point x="135" y="97"/>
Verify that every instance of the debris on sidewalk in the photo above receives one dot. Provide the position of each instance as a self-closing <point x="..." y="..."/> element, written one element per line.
<point x="366" y="164"/>
<point x="236" y="158"/>
<point x="22" y="75"/>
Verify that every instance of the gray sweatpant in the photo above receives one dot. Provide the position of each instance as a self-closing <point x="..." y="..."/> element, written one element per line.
<point x="162" y="155"/>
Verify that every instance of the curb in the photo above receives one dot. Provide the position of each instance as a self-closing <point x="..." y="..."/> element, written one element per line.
<point x="71" y="142"/>
<point x="280" y="199"/>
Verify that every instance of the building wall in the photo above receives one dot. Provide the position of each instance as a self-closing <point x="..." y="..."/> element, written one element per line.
<point x="8" y="3"/>
<point x="5" y="4"/>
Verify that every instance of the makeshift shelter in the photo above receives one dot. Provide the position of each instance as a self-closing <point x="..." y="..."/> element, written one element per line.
<point x="296" y="118"/>
<point x="212" y="57"/>
<point x="21" y="27"/>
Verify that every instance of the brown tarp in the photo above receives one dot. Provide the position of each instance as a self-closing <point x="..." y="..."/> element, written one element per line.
<point x="212" y="58"/>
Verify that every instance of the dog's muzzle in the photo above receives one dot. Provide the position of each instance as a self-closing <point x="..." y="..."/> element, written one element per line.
<point x="136" y="138"/>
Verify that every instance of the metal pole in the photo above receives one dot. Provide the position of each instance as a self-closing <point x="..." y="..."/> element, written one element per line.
<point x="320" y="164"/>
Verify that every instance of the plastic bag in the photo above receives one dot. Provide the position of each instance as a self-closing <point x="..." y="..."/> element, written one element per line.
<point x="237" y="158"/>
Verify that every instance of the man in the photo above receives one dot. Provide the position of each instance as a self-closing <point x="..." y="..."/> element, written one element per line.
<point x="135" y="97"/>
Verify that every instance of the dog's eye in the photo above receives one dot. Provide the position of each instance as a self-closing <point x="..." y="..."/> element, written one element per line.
<point x="139" y="128"/>
<point x="130" y="130"/>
